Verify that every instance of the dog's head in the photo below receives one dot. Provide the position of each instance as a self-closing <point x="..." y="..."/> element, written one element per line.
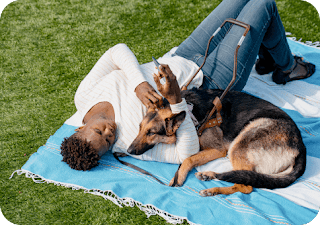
<point x="158" y="126"/>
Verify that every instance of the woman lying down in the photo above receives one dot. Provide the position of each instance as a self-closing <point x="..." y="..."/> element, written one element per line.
<point x="114" y="97"/>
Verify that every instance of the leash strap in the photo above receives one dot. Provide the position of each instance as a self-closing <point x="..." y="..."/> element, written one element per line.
<point x="213" y="122"/>
<point x="208" y="123"/>
<point x="217" y="102"/>
<point x="137" y="168"/>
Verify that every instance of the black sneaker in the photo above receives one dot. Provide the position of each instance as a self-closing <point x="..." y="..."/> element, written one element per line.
<point x="282" y="77"/>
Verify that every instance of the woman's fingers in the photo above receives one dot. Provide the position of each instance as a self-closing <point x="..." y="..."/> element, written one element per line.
<point x="148" y="95"/>
<point x="157" y="81"/>
<point x="165" y="71"/>
<point x="156" y="95"/>
<point x="151" y="98"/>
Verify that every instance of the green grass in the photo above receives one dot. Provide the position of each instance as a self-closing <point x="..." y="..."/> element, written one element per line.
<point x="46" y="49"/>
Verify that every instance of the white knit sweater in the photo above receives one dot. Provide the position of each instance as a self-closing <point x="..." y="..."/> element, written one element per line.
<point x="114" y="79"/>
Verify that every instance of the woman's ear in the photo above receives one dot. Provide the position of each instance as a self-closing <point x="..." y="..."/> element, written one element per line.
<point x="79" y="128"/>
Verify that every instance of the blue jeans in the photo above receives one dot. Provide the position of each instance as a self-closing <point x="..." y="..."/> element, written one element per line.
<point x="265" y="28"/>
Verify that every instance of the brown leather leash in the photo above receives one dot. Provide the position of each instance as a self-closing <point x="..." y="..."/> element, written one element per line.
<point x="217" y="106"/>
<point x="137" y="168"/>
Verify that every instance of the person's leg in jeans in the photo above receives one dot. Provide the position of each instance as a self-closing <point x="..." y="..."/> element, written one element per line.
<point x="270" y="55"/>
<point x="194" y="47"/>
<point x="265" y="26"/>
<point x="218" y="69"/>
<point x="197" y="42"/>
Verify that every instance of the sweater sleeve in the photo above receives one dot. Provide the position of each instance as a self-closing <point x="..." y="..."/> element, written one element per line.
<point x="187" y="143"/>
<point x="119" y="57"/>
<point x="124" y="58"/>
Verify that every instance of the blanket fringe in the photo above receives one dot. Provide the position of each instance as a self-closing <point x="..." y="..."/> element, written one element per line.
<point x="309" y="43"/>
<point x="148" y="209"/>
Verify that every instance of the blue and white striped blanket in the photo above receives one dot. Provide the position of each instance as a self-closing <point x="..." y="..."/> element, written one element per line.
<point x="297" y="204"/>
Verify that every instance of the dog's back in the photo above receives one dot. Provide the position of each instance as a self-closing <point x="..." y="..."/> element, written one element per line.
<point x="263" y="133"/>
<point x="238" y="109"/>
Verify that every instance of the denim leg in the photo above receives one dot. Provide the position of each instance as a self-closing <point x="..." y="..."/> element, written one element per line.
<point x="265" y="26"/>
<point x="196" y="44"/>
<point x="276" y="42"/>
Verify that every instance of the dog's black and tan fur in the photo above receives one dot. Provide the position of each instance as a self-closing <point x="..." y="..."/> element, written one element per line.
<point x="263" y="143"/>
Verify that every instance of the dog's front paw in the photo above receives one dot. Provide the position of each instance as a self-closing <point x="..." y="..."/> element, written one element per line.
<point x="178" y="183"/>
<point x="205" y="176"/>
<point x="171" y="183"/>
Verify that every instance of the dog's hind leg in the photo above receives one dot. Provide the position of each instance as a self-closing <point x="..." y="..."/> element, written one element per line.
<point x="209" y="175"/>
<point x="245" y="189"/>
<point x="198" y="159"/>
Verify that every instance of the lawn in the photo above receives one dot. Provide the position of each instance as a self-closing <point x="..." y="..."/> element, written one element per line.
<point x="46" y="49"/>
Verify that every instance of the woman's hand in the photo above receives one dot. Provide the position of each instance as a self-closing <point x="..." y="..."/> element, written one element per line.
<point x="170" y="89"/>
<point x="147" y="95"/>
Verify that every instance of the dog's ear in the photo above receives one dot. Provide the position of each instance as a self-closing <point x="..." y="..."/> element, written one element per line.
<point x="174" y="122"/>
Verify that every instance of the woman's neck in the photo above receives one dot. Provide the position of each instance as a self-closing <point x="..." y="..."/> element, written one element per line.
<point x="103" y="109"/>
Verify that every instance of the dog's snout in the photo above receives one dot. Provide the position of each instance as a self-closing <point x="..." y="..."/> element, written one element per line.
<point x="131" y="150"/>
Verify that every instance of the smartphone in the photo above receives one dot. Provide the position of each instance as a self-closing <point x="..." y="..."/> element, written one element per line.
<point x="156" y="63"/>
<point x="162" y="79"/>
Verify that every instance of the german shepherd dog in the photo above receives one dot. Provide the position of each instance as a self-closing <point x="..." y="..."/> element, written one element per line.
<point x="263" y="143"/>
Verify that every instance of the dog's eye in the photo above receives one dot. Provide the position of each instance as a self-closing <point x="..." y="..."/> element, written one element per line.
<point x="150" y="133"/>
<point x="98" y="131"/>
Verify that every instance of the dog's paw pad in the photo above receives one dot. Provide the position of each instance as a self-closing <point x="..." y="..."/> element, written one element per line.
<point x="200" y="176"/>
<point x="207" y="193"/>
<point x="205" y="176"/>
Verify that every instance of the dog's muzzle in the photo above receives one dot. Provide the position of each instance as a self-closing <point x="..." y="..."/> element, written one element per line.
<point x="131" y="150"/>
<point x="138" y="149"/>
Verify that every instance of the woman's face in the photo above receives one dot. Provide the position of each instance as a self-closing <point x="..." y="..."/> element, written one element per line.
<point x="100" y="132"/>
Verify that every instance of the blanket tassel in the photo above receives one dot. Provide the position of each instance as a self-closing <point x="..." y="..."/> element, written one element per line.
<point x="149" y="210"/>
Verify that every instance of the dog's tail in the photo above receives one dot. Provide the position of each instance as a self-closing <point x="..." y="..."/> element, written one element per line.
<point x="259" y="180"/>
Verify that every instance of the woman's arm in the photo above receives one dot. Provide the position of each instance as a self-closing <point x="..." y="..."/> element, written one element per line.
<point x="119" y="57"/>
<point x="124" y="58"/>
<point x="187" y="142"/>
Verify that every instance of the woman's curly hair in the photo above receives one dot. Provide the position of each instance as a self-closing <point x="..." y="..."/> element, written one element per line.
<point x="79" y="154"/>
